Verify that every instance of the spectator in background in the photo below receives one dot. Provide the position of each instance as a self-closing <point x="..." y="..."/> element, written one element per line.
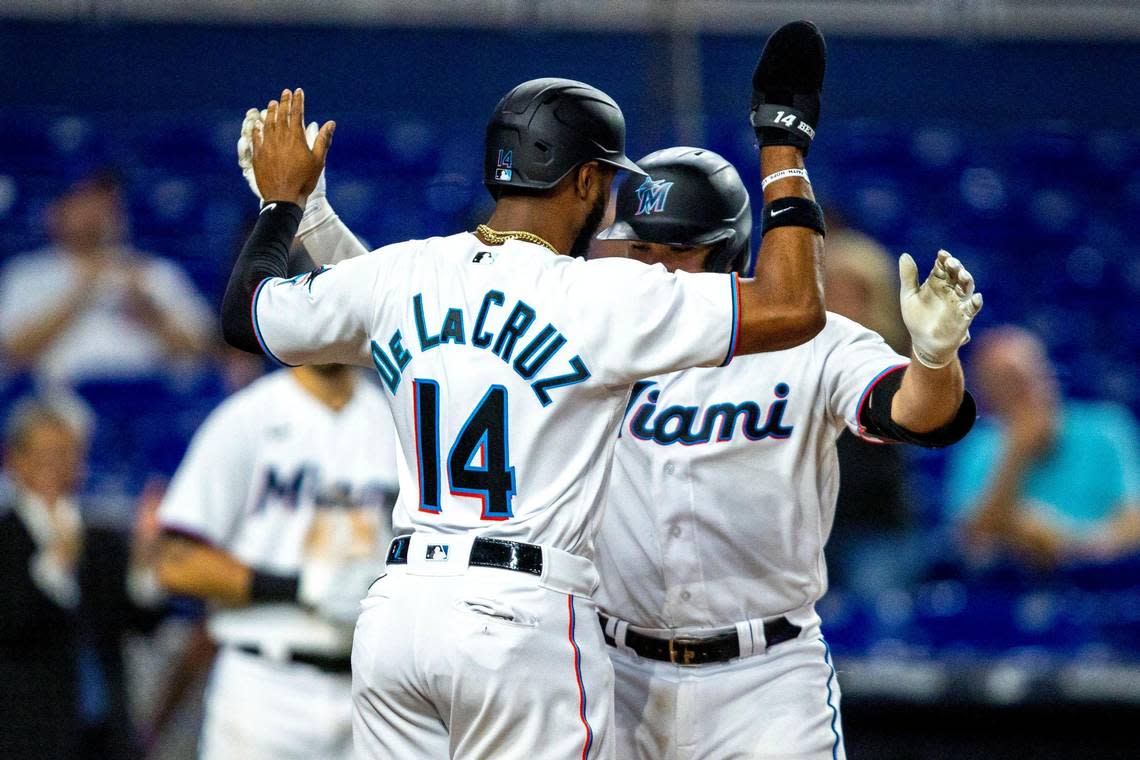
<point x="90" y="306"/>
<point x="40" y="545"/>
<point x="866" y="551"/>
<point x="64" y="602"/>
<point x="1047" y="479"/>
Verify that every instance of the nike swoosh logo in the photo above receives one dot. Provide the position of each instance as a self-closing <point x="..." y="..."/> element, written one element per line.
<point x="272" y="206"/>
<point x="777" y="213"/>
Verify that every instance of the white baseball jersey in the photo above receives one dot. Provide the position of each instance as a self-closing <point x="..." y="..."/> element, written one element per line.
<point x="507" y="368"/>
<point x="270" y="477"/>
<point x="725" y="480"/>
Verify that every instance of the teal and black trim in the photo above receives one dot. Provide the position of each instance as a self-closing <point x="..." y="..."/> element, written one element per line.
<point x="735" y="334"/>
<point x="831" y="701"/>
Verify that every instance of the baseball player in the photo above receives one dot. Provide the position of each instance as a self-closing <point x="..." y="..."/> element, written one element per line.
<point x="724" y="487"/>
<point x="508" y="368"/>
<point x="279" y="515"/>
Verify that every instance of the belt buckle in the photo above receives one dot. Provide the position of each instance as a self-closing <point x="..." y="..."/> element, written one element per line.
<point x="681" y="650"/>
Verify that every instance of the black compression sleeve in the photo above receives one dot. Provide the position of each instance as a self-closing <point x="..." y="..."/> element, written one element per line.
<point x="875" y="417"/>
<point x="265" y="254"/>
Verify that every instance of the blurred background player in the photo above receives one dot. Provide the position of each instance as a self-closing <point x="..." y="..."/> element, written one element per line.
<point x="1047" y="479"/>
<point x="279" y="516"/>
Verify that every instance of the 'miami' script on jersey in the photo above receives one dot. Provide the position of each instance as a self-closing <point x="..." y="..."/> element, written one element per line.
<point x="507" y="367"/>
<point x="725" y="482"/>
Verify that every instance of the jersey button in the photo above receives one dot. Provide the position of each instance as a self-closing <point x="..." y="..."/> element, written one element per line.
<point x="686" y="596"/>
<point x="669" y="469"/>
<point x="675" y="531"/>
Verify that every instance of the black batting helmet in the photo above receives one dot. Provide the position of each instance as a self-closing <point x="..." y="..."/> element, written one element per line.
<point x="691" y="197"/>
<point x="545" y="128"/>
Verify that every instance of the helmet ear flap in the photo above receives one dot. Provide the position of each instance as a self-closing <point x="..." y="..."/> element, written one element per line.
<point x="745" y="265"/>
<point x="731" y="255"/>
<point x="717" y="260"/>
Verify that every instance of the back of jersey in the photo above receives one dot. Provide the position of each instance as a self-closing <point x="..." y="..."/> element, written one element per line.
<point x="507" y="367"/>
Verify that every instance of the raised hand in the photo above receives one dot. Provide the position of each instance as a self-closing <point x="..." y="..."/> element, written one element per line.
<point x="787" y="86"/>
<point x="254" y="119"/>
<point x="285" y="168"/>
<point x="938" y="314"/>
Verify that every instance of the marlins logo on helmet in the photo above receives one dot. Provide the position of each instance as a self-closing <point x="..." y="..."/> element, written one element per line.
<point x="651" y="195"/>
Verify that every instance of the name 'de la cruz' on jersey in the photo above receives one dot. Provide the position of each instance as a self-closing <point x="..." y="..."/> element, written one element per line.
<point x="508" y="369"/>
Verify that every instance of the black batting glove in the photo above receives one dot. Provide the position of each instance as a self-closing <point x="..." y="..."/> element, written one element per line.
<point x="787" y="85"/>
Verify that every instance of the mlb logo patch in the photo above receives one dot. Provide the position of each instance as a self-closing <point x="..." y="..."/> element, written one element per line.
<point x="503" y="165"/>
<point x="483" y="257"/>
<point x="436" y="553"/>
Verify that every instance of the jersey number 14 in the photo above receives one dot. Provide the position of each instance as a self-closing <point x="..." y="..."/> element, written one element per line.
<point x="478" y="463"/>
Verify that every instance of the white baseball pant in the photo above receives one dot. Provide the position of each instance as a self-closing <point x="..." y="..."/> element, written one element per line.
<point x="452" y="661"/>
<point x="782" y="703"/>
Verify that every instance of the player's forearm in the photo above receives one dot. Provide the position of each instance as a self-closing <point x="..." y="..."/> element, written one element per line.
<point x="928" y="399"/>
<point x="195" y="569"/>
<point x="265" y="254"/>
<point x="783" y="306"/>
<point x="329" y="241"/>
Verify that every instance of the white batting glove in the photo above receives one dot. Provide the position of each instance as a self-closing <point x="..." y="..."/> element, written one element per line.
<point x="252" y="122"/>
<point x="317" y="208"/>
<point x="938" y="314"/>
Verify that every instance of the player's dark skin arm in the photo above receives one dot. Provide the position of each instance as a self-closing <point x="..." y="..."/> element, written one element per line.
<point x="287" y="171"/>
<point x="783" y="306"/>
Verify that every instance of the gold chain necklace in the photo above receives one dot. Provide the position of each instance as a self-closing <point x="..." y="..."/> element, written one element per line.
<point x="494" y="237"/>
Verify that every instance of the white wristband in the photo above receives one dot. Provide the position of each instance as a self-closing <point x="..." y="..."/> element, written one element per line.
<point x="317" y="212"/>
<point x="783" y="174"/>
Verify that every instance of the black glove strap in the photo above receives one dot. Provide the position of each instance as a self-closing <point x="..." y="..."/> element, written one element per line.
<point x="270" y="587"/>
<point x="775" y="116"/>
<point x="875" y="417"/>
<point x="793" y="211"/>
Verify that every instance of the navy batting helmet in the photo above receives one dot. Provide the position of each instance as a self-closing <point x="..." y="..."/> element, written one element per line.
<point x="691" y="197"/>
<point x="545" y="128"/>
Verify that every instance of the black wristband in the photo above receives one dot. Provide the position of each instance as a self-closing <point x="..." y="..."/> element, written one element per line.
<point x="269" y="587"/>
<point x="793" y="211"/>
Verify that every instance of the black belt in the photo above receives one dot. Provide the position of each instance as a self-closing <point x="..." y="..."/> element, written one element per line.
<point x="327" y="663"/>
<point x="485" y="552"/>
<point x="688" y="650"/>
